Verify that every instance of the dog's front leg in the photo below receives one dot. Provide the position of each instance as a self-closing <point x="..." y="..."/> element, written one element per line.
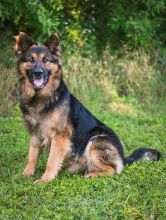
<point x="34" y="151"/>
<point x="60" y="148"/>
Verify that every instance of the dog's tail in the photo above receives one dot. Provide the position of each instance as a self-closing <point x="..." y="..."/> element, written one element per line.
<point x="142" y="153"/>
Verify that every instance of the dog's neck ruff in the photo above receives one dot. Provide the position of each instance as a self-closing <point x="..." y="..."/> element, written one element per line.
<point x="59" y="95"/>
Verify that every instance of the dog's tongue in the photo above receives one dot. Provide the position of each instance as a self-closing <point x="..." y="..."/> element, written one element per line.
<point x="38" y="82"/>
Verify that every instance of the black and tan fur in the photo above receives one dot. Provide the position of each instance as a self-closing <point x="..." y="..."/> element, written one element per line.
<point x="56" y="119"/>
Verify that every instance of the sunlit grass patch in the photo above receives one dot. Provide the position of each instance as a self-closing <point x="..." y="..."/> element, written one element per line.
<point x="136" y="193"/>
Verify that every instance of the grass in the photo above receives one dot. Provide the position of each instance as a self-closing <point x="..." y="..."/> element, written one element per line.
<point x="137" y="193"/>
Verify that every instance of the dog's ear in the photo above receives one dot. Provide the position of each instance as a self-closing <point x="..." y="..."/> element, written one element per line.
<point x="53" y="44"/>
<point x="22" y="43"/>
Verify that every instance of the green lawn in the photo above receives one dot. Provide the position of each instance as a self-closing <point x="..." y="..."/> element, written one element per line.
<point x="139" y="192"/>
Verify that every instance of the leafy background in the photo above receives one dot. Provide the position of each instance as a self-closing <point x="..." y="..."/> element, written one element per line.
<point x="89" y="23"/>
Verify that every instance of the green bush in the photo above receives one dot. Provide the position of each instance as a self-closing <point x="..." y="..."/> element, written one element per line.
<point x="89" y="24"/>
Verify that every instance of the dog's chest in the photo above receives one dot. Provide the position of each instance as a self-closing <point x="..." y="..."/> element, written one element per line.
<point x="46" y="127"/>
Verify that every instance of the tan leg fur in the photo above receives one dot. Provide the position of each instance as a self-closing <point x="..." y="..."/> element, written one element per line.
<point x="60" y="148"/>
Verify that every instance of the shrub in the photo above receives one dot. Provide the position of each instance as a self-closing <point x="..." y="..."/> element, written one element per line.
<point x="89" y="24"/>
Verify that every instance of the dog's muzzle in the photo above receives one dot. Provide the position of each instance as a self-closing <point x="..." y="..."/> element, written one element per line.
<point x="39" y="76"/>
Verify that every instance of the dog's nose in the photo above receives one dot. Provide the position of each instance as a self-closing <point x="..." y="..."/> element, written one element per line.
<point x="38" y="69"/>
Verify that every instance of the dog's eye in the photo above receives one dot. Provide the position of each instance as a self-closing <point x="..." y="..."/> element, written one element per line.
<point x="45" y="60"/>
<point x="30" y="59"/>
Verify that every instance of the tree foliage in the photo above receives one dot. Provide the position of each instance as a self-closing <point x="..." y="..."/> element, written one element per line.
<point x="89" y="23"/>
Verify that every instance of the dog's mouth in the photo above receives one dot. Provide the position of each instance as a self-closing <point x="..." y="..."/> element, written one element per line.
<point x="38" y="82"/>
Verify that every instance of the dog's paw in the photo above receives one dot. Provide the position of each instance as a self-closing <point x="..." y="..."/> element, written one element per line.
<point x="92" y="175"/>
<point x="40" y="181"/>
<point x="28" y="173"/>
<point x="44" y="179"/>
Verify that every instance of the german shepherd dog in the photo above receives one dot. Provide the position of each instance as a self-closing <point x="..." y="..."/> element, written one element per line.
<point x="56" y="119"/>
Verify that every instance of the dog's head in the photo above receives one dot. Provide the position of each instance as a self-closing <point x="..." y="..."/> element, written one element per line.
<point x="38" y="64"/>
